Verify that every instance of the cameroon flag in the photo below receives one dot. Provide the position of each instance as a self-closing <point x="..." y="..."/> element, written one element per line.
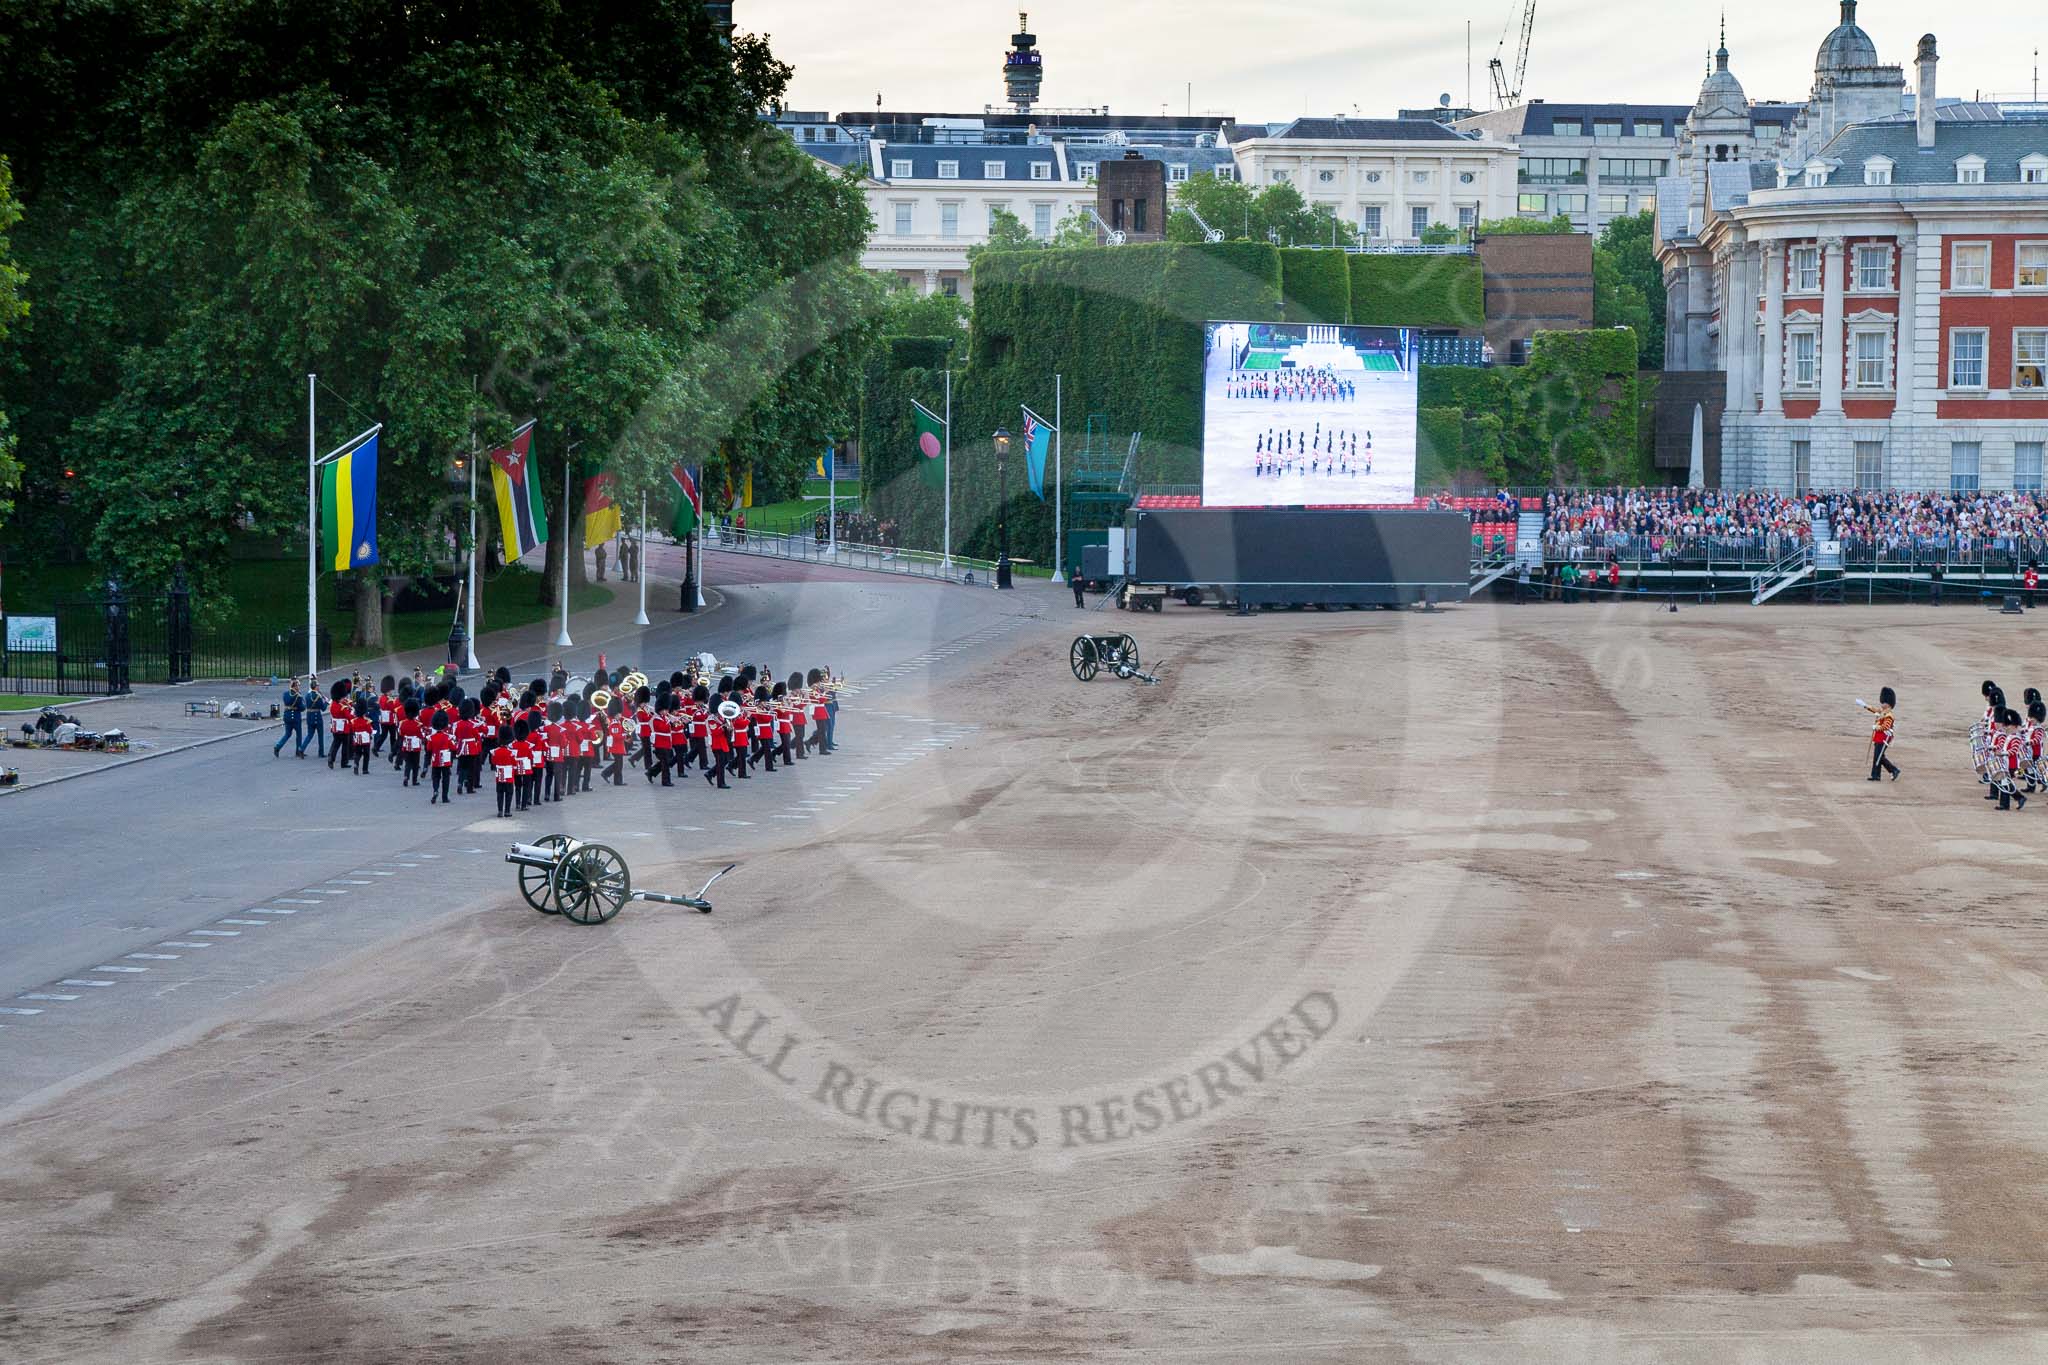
<point x="348" y="508"/>
<point x="601" y="520"/>
<point x="522" y="519"/>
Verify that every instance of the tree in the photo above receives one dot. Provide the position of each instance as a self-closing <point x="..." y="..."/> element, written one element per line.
<point x="907" y="313"/>
<point x="1225" y="205"/>
<point x="1442" y="234"/>
<point x="1006" y="232"/>
<point x="12" y="309"/>
<point x="1628" y="284"/>
<point x="1527" y="227"/>
<point x="1285" y="218"/>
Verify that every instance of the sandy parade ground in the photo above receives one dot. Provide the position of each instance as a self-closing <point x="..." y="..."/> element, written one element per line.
<point x="1499" y="985"/>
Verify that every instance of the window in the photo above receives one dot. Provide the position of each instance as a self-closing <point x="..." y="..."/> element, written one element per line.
<point x="1552" y="170"/>
<point x="1537" y="205"/>
<point x="1371" y="224"/>
<point x="1806" y="270"/>
<point x="899" y="170"/>
<point x="1326" y="176"/>
<point x="1647" y="128"/>
<point x="996" y="206"/>
<point x="1614" y="203"/>
<point x="949" y="170"/>
<point x="950" y="286"/>
<point x="1086" y="170"/>
<point x="1280" y="177"/>
<point x="1224" y="172"/>
<point x="1418" y="221"/>
<point x="1421" y="177"/>
<point x="1966" y="358"/>
<point x="2026" y="467"/>
<point x="1606" y="127"/>
<point x="1970" y="170"/>
<point x="991" y="170"/>
<point x="809" y="135"/>
<point x="1176" y="173"/>
<point x="1869" y="465"/>
<point x="1971" y="268"/>
<point x="1041" y="170"/>
<point x="2030" y="360"/>
<point x="949" y="220"/>
<point x="1137" y="214"/>
<point x="1802" y="466"/>
<point x="1633" y="169"/>
<point x="1372" y="177"/>
<point x="1567" y="127"/>
<point x="831" y="135"/>
<point x="1877" y="171"/>
<point x="1816" y="177"/>
<point x="1041" y="220"/>
<point x="1468" y="216"/>
<point x="1467" y="177"/>
<point x="2034" y="169"/>
<point x="902" y="218"/>
<point x="1873" y="358"/>
<point x="1805" y="359"/>
<point x="1874" y="268"/>
<point x="1963" y="458"/>
<point x="2030" y="266"/>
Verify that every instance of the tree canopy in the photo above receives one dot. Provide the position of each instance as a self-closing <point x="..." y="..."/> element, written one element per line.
<point x="458" y="217"/>
<point x="1628" y="284"/>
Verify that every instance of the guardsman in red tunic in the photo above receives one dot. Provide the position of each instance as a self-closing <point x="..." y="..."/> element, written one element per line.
<point x="440" y="759"/>
<point x="643" y="726"/>
<point x="2033" y="581"/>
<point x="615" y="742"/>
<point x="339" y="714"/>
<point x="469" y="746"/>
<point x="412" y="738"/>
<point x="388" y="716"/>
<point x="505" y="768"/>
<point x="1881" y="735"/>
<point x="663" y="727"/>
<point x="2009" y="795"/>
<point x="697" y="720"/>
<point x="721" y="751"/>
<point x="763" y="721"/>
<point x="362" y="731"/>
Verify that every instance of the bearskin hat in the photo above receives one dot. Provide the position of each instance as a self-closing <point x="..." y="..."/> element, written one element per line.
<point x="1887" y="697"/>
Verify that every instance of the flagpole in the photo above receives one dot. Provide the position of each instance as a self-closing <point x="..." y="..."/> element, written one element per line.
<point x="562" y="640"/>
<point x="640" y="564"/>
<point x="948" y="532"/>
<point x="473" y="665"/>
<point x="832" y="500"/>
<point x="698" y="532"/>
<point x="312" y="529"/>
<point x="1058" y="427"/>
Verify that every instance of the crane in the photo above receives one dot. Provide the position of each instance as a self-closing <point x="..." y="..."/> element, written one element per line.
<point x="1504" y="95"/>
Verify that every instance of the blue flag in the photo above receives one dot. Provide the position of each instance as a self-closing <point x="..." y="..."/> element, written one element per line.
<point x="1038" y="434"/>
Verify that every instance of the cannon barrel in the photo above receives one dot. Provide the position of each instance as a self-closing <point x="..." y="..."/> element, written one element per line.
<point x="535" y="855"/>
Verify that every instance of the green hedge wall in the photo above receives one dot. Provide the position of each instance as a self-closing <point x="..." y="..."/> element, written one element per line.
<point x="1316" y="285"/>
<point x="1417" y="291"/>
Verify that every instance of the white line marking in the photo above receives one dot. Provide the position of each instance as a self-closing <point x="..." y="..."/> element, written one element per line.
<point x="216" y="933"/>
<point x="321" y="891"/>
<point x="690" y="829"/>
<point x="9" y="1009"/>
<point x="792" y="817"/>
<point x="345" y="881"/>
<point x="145" y="957"/>
<point x="74" y="981"/>
<point x="245" y="921"/>
<point x="735" y="822"/>
<point x="271" y="910"/>
<point x="436" y="855"/>
<point x="293" y="900"/>
<point x="43" y="995"/>
<point x="177" y="943"/>
<point x="106" y="968"/>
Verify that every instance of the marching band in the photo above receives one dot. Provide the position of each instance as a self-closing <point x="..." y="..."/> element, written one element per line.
<point x="546" y="740"/>
<point x="2005" y="747"/>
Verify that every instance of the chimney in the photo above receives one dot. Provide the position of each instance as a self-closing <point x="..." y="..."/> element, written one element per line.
<point x="1923" y="104"/>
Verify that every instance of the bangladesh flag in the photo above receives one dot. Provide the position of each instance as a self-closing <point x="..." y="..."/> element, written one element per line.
<point x="931" y="445"/>
<point x="689" y="508"/>
<point x="522" y="520"/>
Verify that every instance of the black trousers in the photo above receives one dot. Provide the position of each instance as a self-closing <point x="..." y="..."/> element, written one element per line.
<point x="715" y="772"/>
<point x="362" y="757"/>
<point x="664" y="764"/>
<point x="1880" y="759"/>
<point x="439" y="787"/>
<point x="412" y="768"/>
<point x="616" y="774"/>
<point x="505" y="790"/>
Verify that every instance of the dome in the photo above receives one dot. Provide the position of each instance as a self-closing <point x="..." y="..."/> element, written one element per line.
<point x="1848" y="48"/>
<point x="1722" y="95"/>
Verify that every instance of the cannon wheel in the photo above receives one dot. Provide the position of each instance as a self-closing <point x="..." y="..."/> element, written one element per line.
<point x="1085" y="660"/>
<point x="591" y="884"/>
<point x="1123" y="653"/>
<point x="537" y="883"/>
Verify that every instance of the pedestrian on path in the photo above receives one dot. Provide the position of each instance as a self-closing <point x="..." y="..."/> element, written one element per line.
<point x="1080" y="591"/>
<point x="294" y="714"/>
<point x="600" y="563"/>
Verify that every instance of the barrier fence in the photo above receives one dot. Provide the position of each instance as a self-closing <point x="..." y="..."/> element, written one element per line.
<point x="107" y="645"/>
<point x="804" y="546"/>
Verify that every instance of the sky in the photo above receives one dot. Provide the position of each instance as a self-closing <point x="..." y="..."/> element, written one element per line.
<point x="1271" y="60"/>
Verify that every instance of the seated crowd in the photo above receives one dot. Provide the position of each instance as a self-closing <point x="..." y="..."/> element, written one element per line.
<point x="1668" y="522"/>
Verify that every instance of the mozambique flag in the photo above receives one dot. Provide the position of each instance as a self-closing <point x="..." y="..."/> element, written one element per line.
<point x="601" y="520"/>
<point x="931" y="444"/>
<point x="689" y="508"/>
<point x="522" y="519"/>
<point x="348" y="508"/>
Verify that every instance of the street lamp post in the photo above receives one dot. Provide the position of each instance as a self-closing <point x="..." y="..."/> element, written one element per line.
<point x="1002" y="440"/>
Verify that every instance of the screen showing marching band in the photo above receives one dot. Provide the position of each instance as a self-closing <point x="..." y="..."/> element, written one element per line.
<point x="1306" y="415"/>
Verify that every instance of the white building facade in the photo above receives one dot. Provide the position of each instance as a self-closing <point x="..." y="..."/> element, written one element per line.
<point x="932" y="201"/>
<point x="1387" y="179"/>
<point x="1876" y="293"/>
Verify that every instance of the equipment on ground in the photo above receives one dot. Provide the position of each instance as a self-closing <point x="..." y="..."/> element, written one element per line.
<point x="1117" y="653"/>
<point x="1147" y="597"/>
<point x="587" y="883"/>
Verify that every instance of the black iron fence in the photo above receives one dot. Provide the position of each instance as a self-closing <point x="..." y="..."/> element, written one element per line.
<point x="110" y="643"/>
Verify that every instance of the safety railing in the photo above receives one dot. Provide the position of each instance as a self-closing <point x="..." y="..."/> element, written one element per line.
<point x="805" y="548"/>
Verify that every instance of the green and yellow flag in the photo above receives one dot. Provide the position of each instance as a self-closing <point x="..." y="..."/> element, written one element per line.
<point x="348" y="508"/>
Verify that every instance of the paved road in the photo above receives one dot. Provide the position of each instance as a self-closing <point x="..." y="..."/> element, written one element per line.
<point x="148" y="902"/>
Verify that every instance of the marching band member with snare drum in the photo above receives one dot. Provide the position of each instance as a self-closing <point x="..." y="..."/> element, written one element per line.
<point x="2008" y="753"/>
<point x="1881" y="735"/>
<point x="2030" y="743"/>
<point x="440" y="750"/>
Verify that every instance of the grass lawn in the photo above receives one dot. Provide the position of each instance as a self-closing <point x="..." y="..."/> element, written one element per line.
<point x="270" y="594"/>
<point x="818" y="488"/>
<point x="15" y="701"/>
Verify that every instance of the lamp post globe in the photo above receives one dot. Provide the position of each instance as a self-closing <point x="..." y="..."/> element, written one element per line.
<point x="1002" y="443"/>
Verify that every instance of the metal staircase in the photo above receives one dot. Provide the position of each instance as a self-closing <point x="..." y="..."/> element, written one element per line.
<point x="1529" y="540"/>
